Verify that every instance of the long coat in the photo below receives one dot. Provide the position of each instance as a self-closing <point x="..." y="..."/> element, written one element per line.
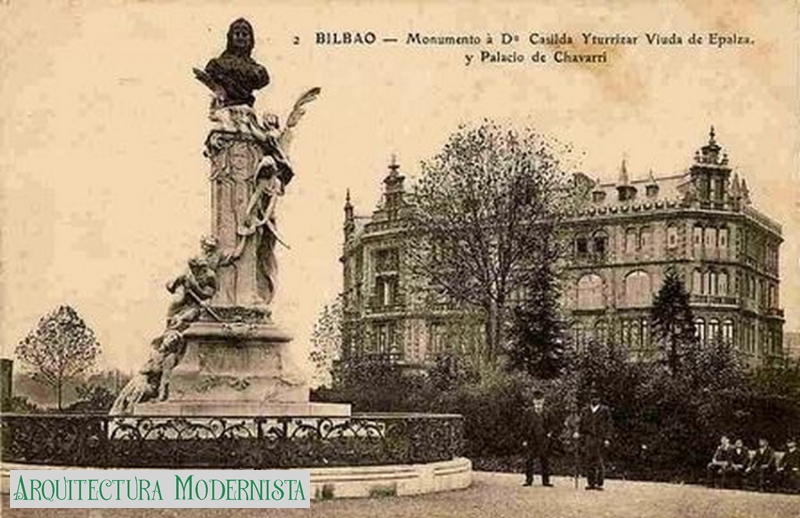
<point x="541" y="429"/>
<point x="595" y="428"/>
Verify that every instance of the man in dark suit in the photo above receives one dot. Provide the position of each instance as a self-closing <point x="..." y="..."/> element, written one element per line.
<point x="762" y="465"/>
<point x="541" y="431"/>
<point x="738" y="462"/>
<point x="595" y="432"/>
<point x="788" y="470"/>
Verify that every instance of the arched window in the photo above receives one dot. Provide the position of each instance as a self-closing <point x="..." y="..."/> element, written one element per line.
<point x="645" y="332"/>
<point x="601" y="332"/>
<point x="672" y="236"/>
<point x="581" y="246"/>
<point x="711" y="238"/>
<point x="631" y="241"/>
<point x="722" y="283"/>
<point x="637" y="289"/>
<point x="590" y="292"/>
<point x="697" y="236"/>
<point x="700" y="330"/>
<point x="580" y="337"/>
<point x="712" y="333"/>
<point x="713" y="283"/>
<point x="722" y="238"/>
<point x="625" y="333"/>
<point x="645" y="238"/>
<point x="697" y="282"/>
<point x="600" y="243"/>
<point x="727" y="331"/>
<point x="636" y="334"/>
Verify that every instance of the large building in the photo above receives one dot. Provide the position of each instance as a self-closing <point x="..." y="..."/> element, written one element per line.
<point x="701" y="222"/>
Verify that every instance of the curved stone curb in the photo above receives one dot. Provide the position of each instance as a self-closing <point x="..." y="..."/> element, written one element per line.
<point x="351" y="481"/>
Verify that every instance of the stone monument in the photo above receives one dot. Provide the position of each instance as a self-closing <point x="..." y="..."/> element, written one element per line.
<point x="221" y="353"/>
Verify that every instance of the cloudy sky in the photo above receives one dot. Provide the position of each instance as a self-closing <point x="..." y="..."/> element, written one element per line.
<point x="105" y="189"/>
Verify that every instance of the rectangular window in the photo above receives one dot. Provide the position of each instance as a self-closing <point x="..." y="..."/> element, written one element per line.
<point x="697" y="236"/>
<point x="723" y="238"/>
<point x="672" y="237"/>
<point x="436" y="342"/>
<point x="389" y="292"/>
<point x="631" y="239"/>
<point x="711" y="238"/>
<point x="645" y="238"/>
<point x="386" y="260"/>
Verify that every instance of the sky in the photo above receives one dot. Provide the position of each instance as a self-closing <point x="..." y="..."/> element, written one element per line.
<point x="105" y="190"/>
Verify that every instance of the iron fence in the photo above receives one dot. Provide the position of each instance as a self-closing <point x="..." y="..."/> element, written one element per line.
<point x="259" y="442"/>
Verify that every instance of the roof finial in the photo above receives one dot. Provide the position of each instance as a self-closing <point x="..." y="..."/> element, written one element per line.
<point x="711" y="135"/>
<point x="393" y="165"/>
<point x="347" y="197"/>
<point x="623" y="171"/>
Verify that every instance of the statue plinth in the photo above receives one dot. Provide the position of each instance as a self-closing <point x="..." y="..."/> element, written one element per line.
<point x="236" y="368"/>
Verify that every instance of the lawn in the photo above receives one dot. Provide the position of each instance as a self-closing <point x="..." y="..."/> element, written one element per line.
<point x="502" y="495"/>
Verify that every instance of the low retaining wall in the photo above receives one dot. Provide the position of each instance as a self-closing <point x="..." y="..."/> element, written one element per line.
<point x="352" y="481"/>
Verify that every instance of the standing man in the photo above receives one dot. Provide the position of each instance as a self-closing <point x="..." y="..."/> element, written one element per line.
<point x="595" y="430"/>
<point x="541" y="429"/>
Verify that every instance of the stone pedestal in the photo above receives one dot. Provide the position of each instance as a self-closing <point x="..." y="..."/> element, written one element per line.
<point x="238" y="369"/>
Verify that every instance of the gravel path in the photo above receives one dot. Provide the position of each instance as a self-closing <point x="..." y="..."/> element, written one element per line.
<point x="501" y="495"/>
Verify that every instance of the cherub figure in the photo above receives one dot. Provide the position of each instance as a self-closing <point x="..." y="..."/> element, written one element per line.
<point x="194" y="288"/>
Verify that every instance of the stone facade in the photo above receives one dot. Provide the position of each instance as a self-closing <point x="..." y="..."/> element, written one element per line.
<point x="624" y="237"/>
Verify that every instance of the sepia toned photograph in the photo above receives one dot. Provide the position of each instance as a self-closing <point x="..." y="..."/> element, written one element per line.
<point x="372" y="258"/>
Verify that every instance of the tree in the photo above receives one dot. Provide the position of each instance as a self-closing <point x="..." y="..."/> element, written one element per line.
<point x="537" y="331"/>
<point x="486" y="210"/>
<point x="326" y="341"/>
<point x="672" y="321"/>
<point x="60" y="348"/>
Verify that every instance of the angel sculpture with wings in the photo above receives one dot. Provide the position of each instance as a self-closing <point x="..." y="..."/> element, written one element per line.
<point x="269" y="181"/>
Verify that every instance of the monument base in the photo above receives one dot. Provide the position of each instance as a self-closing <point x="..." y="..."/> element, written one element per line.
<point x="238" y="369"/>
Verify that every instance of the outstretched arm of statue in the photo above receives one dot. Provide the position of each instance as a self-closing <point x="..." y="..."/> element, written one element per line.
<point x="174" y="283"/>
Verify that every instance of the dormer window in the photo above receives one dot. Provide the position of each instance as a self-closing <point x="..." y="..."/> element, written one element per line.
<point x="651" y="190"/>
<point x="626" y="192"/>
<point x="598" y="196"/>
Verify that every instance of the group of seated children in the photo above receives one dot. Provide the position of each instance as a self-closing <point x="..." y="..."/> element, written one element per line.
<point x="763" y="469"/>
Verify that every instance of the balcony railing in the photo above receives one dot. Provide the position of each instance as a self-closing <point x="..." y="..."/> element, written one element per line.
<point x="377" y="305"/>
<point x="775" y="312"/>
<point x="714" y="300"/>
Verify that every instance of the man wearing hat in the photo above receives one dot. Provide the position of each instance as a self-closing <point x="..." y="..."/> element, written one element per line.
<point x="595" y="432"/>
<point x="539" y="435"/>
